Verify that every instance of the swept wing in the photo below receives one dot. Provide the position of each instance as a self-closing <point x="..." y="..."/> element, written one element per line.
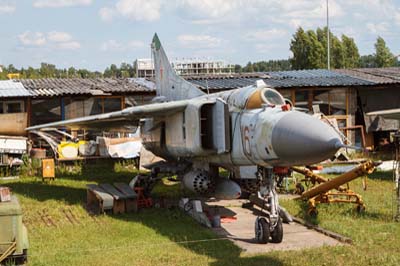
<point x="126" y="118"/>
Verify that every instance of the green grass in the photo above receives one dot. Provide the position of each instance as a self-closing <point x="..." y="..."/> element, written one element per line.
<point x="168" y="237"/>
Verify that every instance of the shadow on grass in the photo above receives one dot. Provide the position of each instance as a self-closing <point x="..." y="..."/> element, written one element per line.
<point x="173" y="224"/>
<point x="41" y="191"/>
<point x="181" y="229"/>
<point x="102" y="171"/>
<point x="381" y="175"/>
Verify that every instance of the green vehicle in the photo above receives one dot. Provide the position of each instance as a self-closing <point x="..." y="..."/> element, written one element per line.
<point x="13" y="234"/>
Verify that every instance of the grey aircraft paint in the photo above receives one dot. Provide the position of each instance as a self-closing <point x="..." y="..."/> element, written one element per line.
<point x="247" y="127"/>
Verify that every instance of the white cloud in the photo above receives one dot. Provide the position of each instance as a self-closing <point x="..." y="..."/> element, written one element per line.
<point x="137" y="10"/>
<point x="60" y="3"/>
<point x="199" y="41"/>
<point x="73" y="45"/>
<point x="211" y="8"/>
<point x="53" y="39"/>
<point x="266" y="48"/>
<point x="266" y="35"/>
<point x="106" y="13"/>
<point x="378" y="28"/>
<point x="113" y="45"/>
<point x="136" y="44"/>
<point x="32" y="38"/>
<point x="397" y="17"/>
<point x="7" y="7"/>
<point x="58" y="36"/>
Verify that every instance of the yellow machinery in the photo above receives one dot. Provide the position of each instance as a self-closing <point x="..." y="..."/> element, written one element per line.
<point x="13" y="76"/>
<point x="321" y="192"/>
<point x="48" y="169"/>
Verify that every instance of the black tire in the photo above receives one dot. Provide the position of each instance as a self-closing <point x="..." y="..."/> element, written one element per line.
<point x="262" y="232"/>
<point x="277" y="234"/>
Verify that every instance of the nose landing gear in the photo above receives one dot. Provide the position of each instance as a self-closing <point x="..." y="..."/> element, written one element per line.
<point x="268" y="228"/>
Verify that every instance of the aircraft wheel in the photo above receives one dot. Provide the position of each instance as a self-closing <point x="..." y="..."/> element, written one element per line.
<point x="277" y="234"/>
<point x="262" y="230"/>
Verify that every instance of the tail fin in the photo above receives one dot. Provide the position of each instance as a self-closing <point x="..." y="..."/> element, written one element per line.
<point x="168" y="83"/>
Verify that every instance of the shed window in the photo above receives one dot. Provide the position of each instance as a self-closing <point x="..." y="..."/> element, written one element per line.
<point x="11" y="107"/>
<point x="45" y="111"/>
<point x="331" y="102"/>
<point x="14" y="107"/>
<point x="98" y="105"/>
<point x="301" y="100"/>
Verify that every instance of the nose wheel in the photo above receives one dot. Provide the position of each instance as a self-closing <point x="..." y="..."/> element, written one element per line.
<point x="268" y="228"/>
<point x="262" y="230"/>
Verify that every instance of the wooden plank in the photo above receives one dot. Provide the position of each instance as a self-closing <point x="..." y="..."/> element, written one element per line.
<point x="126" y="190"/>
<point x="107" y="199"/>
<point x="116" y="194"/>
<point x="130" y="200"/>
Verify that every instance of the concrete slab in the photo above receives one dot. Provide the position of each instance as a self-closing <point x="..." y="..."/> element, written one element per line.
<point x="241" y="232"/>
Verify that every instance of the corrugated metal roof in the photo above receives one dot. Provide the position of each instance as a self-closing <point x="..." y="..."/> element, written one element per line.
<point x="388" y="75"/>
<point x="11" y="88"/>
<point x="306" y="74"/>
<point x="76" y="86"/>
<point x="280" y="79"/>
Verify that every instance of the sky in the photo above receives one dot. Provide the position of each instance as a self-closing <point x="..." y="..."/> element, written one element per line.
<point x="93" y="34"/>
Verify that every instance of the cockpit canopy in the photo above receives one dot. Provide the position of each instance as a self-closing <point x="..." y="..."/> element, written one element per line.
<point x="264" y="96"/>
<point x="272" y="97"/>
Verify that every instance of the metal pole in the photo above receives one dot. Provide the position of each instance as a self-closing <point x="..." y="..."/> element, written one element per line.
<point x="328" y="42"/>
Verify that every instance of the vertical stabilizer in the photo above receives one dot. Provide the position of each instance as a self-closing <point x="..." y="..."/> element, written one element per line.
<point x="168" y="83"/>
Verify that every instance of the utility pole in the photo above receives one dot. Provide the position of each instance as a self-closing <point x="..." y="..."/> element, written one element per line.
<point x="328" y="37"/>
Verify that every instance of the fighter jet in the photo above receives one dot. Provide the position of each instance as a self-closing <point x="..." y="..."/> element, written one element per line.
<point x="247" y="131"/>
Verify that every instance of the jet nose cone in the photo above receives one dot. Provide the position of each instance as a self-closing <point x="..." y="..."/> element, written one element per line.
<point x="300" y="139"/>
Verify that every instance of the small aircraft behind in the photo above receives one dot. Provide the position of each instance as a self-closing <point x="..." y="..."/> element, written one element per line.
<point x="247" y="131"/>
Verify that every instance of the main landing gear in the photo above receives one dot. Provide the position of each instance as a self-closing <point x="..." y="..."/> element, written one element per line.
<point x="268" y="228"/>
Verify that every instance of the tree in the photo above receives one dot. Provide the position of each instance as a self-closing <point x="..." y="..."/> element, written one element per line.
<point x="47" y="70"/>
<point x="298" y="46"/>
<point x="337" y="52"/>
<point x="238" y="68"/>
<point x="310" y="50"/>
<point x="249" y="67"/>
<point x="383" y="56"/>
<point x="350" y="51"/>
<point x="72" y="72"/>
<point x="314" y="51"/>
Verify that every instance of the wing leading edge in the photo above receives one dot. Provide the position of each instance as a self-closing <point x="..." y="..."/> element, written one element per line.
<point x="120" y="119"/>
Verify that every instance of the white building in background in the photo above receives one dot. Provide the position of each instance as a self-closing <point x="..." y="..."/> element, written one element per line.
<point x="185" y="67"/>
<point x="144" y="68"/>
